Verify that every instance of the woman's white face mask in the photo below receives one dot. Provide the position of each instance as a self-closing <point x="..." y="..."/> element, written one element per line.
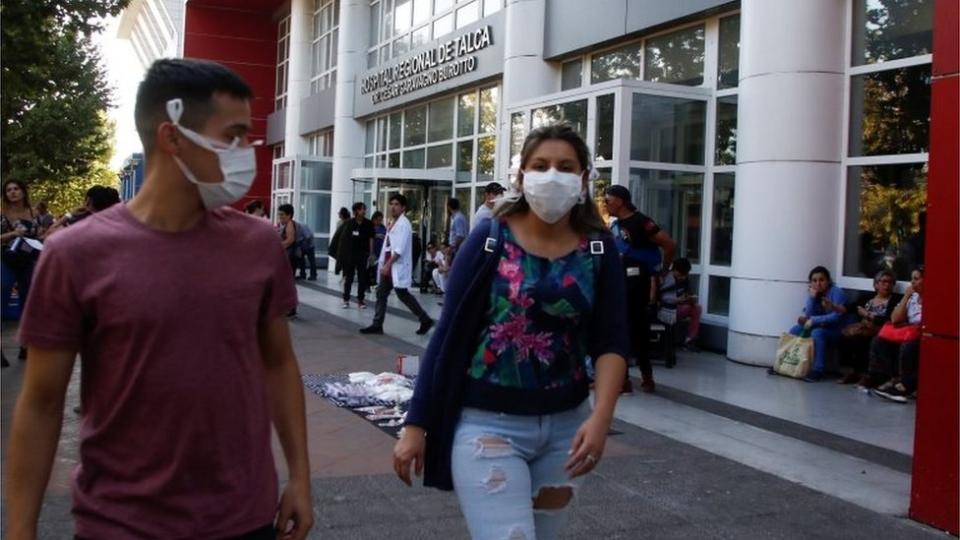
<point x="238" y="164"/>
<point x="551" y="194"/>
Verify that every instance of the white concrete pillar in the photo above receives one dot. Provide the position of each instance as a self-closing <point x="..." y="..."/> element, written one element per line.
<point x="525" y="74"/>
<point x="298" y="74"/>
<point x="348" y="134"/>
<point x="789" y="178"/>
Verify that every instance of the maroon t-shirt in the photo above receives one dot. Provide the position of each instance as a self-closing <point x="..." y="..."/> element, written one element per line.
<point x="175" y="436"/>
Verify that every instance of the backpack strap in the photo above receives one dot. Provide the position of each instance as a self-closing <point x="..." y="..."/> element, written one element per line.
<point x="597" y="249"/>
<point x="493" y="236"/>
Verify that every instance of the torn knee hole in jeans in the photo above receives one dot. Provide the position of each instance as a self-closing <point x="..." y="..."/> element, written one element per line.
<point x="496" y="481"/>
<point x="491" y="446"/>
<point x="552" y="498"/>
<point x="517" y="533"/>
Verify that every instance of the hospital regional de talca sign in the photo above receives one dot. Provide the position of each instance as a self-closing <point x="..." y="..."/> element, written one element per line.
<point x="433" y="66"/>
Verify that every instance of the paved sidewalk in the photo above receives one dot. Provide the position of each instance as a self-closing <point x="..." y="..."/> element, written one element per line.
<point x="647" y="486"/>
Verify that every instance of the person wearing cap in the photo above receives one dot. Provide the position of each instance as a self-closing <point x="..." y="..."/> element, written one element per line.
<point x="639" y="240"/>
<point x="491" y="192"/>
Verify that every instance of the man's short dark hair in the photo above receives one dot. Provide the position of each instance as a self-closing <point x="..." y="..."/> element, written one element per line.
<point x="102" y="197"/>
<point x="494" y="187"/>
<point x="682" y="265"/>
<point x="453" y="204"/>
<point x="399" y="198"/>
<point x="253" y="206"/>
<point x="376" y="215"/>
<point x="357" y="206"/>
<point x="286" y="209"/>
<point x="193" y="81"/>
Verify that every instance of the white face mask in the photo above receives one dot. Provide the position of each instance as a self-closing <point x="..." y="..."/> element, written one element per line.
<point x="551" y="194"/>
<point x="238" y="164"/>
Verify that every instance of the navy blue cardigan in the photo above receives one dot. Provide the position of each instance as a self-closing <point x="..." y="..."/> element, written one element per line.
<point x="437" y="399"/>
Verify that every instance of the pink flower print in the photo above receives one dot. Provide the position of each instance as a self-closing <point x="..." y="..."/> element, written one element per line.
<point x="513" y="273"/>
<point x="537" y="344"/>
<point x="507" y="333"/>
<point x="524" y="301"/>
<point x="569" y="280"/>
<point x="489" y="357"/>
<point x="513" y="252"/>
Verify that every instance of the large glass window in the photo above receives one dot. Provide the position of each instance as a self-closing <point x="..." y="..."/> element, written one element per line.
<point x="890" y="29"/>
<point x="283" y="63"/>
<point x="439" y="156"/>
<point x="486" y="151"/>
<point x="316" y="175"/>
<point x="886" y="218"/>
<point x="573" y="113"/>
<point x="441" y="120"/>
<point x="466" y="109"/>
<point x="890" y="111"/>
<point x="719" y="301"/>
<point x="725" y="152"/>
<point x="572" y="74"/>
<point x="464" y="161"/>
<point x="675" y="58"/>
<point x="326" y="15"/>
<point x="605" y="120"/>
<point x="728" y="61"/>
<point x="674" y="200"/>
<point x="622" y="63"/>
<point x="414" y="126"/>
<point x="721" y="244"/>
<point x="489" y="99"/>
<point x="667" y="129"/>
<point x="315" y="212"/>
<point x="469" y="13"/>
<point x="518" y="132"/>
<point x="396" y="123"/>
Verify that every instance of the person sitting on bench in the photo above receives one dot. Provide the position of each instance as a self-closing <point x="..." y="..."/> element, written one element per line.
<point x="676" y="302"/>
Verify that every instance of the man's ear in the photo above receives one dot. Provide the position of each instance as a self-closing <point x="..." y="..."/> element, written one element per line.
<point x="168" y="139"/>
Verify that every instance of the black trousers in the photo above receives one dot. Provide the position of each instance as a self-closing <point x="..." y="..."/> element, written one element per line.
<point x="358" y="267"/>
<point x="383" y="292"/>
<point x="889" y="359"/>
<point x="638" y="319"/>
<point x="855" y="352"/>
<point x="309" y="255"/>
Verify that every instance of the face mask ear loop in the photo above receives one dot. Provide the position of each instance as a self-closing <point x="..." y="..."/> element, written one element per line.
<point x="175" y="110"/>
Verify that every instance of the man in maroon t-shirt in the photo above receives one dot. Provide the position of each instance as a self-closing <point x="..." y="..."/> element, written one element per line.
<point x="176" y="304"/>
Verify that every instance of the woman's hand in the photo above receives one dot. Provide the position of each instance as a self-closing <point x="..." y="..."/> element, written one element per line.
<point x="813" y="292"/>
<point x="588" y="444"/>
<point x="409" y="449"/>
<point x="802" y="320"/>
<point x="863" y="313"/>
<point x="908" y="292"/>
<point x="808" y="324"/>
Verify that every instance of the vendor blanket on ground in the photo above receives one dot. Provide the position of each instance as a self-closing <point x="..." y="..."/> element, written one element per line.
<point x="380" y="399"/>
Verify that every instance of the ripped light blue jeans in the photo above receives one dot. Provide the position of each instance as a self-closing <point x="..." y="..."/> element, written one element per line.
<point x="503" y="462"/>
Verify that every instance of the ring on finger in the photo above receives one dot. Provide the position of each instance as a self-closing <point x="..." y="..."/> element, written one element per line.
<point x="592" y="459"/>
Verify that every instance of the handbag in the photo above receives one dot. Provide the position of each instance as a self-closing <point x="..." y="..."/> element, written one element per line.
<point x="794" y="355"/>
<point x="859" y="329"/>
<point x="900" y="334"/>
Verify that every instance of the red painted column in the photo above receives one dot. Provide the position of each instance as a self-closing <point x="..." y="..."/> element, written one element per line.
<point x="245" y="40"/>
<point x="934" y="497"/>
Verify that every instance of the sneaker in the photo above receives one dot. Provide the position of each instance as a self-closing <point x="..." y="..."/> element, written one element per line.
<point x="292" y="314"/>
<point x="345" y="305"/>
<point x="648" y="386"/>
<point x="425" y="327"/>
<point x="627" y="388"/>
<point x="361" y="305"/>
<point x="372" y="330"/>
<point x="813" y="376"/>
<point x="887" y="386"/>
<point x="851" y="378"/>
<point x="894" y="394"/>
<point x="866" y="382"/>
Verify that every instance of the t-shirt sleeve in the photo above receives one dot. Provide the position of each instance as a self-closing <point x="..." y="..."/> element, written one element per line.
<point x="281" y="292"/>
<point x="650" y="227"/>
<point x="53" y="318"/>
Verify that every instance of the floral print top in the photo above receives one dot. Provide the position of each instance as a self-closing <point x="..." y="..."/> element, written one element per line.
<point x="537" y="337"/>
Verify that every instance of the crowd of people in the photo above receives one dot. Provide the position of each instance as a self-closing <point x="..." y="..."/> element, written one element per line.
<point x="24" y="228"/>
<point x="876" y="337"/>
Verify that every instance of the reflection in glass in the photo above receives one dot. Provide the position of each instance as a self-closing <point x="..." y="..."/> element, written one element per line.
<point x="414" y="125"/>
<point x="316" y="175"/>
<point x="441" y="120"/>
<point x="572" y="74"/>
<point x="728" y="62"/>
<point x="396" y="121"/>
<point x="605" y="119"/>
<point x="401" y="45"/>
<point x="673" y="199"/>
<point x="675" y="58"/>
<point x="402" y="9"/>
<point x="667" y="129"/>
<point x="369" y="136"/>
<point x="486" y="150"/>
<point x="890" y="112"/>
<point x="468" y="14"/>
<point x="622" y="63"/>
<point x="315" y="211"/>
<point x="719" y="301"/>
<point x="721" y="244"/>
<point x="381" y="135"/>
<point x="726" y="143"/>
<point x="464" y="161"/>
<point x="393" y="160"/>
<point x="889" y="29"/>
<point x="283" y="175"/>
<point x="488" y="109"/>
<point x="518" y="132"/>
<point x="439" y="6"/>
<point x="421" y="10"/>
<point x="598" y="189"/>
<point x="419" y="37"/>
<point x="573" y="113"/>
<point x="443" y="26"/>
<point x="886" y="219"/>
<point x="413" y="159"/>
<point x="439" y="156"/>
<point x="465" y="112"/>
<point x="490" y="7"/>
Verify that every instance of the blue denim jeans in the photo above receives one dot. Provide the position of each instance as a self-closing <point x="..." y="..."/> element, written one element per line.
<point x="500" y="464"/>
<point x="823" y="337"/>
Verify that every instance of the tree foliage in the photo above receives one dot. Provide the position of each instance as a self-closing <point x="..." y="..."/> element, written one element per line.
<point x="54" y="89"/>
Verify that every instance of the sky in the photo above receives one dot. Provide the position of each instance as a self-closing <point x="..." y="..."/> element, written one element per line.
<point x="123" y="74"/>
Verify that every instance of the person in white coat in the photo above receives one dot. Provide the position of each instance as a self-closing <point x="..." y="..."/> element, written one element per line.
<point x="395" y="269"/>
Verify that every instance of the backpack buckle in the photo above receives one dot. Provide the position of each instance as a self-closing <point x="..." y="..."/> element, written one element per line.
<point x="490" y="245"/>
<point x="596" y="247"/>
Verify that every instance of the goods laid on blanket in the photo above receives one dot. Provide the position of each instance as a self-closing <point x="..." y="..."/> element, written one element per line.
<point x="380" y="398"/>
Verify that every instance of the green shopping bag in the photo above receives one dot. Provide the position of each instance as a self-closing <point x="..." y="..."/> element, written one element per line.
<point x="794" y="355"/>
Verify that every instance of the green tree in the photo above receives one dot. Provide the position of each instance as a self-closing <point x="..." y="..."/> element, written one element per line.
<point x="54" y="89"/>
